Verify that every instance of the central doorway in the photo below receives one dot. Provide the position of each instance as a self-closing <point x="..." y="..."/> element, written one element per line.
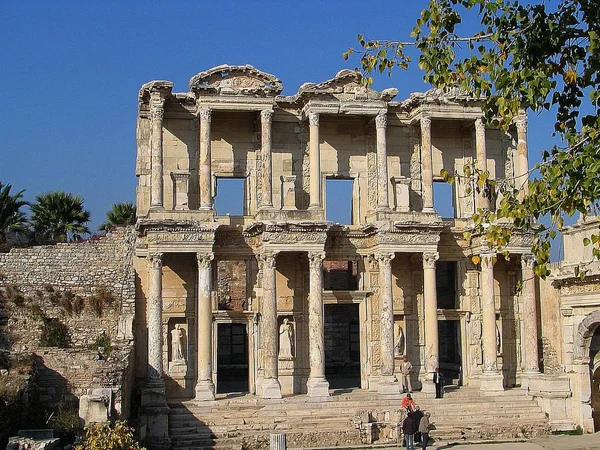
<point x="449" y="342"/>
<point x="232" y="358"/>
<point x="342" y="346"/>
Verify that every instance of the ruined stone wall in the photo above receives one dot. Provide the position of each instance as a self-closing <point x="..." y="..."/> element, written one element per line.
<point x="551" y="329"/>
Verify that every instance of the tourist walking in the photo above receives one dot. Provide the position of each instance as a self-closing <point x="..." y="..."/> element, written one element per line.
<point x="408" y="404"/>
<point x="408" y="429"/>
<point x="438" y="380"/>
<point x="424" y="426"/>
<point x="405" y="370"/>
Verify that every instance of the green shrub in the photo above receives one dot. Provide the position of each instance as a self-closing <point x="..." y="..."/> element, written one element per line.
<point x="65" y="422"/>
<point x="100" y="299"/>
<point x="55" y="334"/>
<point x="103" y="345"/>
<point x="105" y="437"/>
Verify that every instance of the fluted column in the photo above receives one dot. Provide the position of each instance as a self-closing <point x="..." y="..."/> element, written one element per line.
<point x="315" y="161"/>
<point x="269" y="333"/>
<point x="432" y="347"/>
<point x="427" y="164"/>
<point x="481" y="162"/>
<point x="266" y="118"/>
<point x="382" y="168"/>
<point x="205" y="170"/>
<point x="205" y="388"/>
<point x="522" y="164"/>
<point x="317" y="385"/>
<point x="530" y="338"/>
<point x="157" y="112"/>
<point x="155" y="340"/>
<point x="491" y="379"/>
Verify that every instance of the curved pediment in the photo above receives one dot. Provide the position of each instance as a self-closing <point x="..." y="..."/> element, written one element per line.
<point x="236" y="80"/>
<point x="346" y="85"/>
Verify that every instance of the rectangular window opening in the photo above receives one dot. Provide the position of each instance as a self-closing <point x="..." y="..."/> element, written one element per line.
<point x="443" y="199"/>
<point x="340" y="275"/>
<point x="445" y="279"/>
<point x="230" y="196"/>
<point x="339" y="200"/>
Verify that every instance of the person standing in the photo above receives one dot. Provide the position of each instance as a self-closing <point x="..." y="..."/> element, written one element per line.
<point x="408" y="428"/>
<point x="417" y="416"/>
<point x="408" y="404"/>
<point x="405" y="369"/>
<point x="438" y="380"/>
<point x="424" y="427"/>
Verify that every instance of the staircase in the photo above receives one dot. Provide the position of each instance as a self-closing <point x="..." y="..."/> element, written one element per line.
<point x="350" y="419"/>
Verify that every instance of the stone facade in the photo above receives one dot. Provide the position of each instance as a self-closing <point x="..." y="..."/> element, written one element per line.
<point x="264" y="272"/>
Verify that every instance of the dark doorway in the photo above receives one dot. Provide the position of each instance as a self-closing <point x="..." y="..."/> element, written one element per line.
<point x="232" y="358"/>
<point x="449" y="339"/>
<point x="342" y="346"/>
<point x="595" y="374"/>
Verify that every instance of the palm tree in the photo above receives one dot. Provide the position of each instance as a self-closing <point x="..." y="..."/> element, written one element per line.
<point x="11" y="218"/>
<point x="120" y="214"/>
<point x="59" y="217"/>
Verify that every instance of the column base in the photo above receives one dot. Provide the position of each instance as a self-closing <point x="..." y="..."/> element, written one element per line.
<point x="389" y="385"/>
<point x="154" y="416"/>
<point x="428" y="386"/>
<point x="491" y="382"/>
<point x="317" y="387"/>
<point x="313" y="207"/>
<point x="526" y="378"/>
<point x="205" y="391"/>
<point x="428" y="209"/>
<point x="271" y="388"/>
<point x="154" y="394"/>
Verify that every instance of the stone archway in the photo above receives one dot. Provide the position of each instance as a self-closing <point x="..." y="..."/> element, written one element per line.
<point x="583" y="338"/>
<point x="589" y="374"/>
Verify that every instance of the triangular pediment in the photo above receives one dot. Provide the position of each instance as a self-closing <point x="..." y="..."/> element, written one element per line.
<point x="236" y="80"/>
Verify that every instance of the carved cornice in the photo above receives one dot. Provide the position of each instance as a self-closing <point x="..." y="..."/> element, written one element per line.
<point x="171" y="231"/>
<point x="236" y="80"/>
<point x="439" y="96"/>
<point x="161" y="87"/>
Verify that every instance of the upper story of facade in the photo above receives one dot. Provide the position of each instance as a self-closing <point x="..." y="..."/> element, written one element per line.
<point x="234" y="124"/>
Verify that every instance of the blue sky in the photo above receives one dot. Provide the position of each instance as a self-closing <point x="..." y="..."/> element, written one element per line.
<point x="71" y="71"/>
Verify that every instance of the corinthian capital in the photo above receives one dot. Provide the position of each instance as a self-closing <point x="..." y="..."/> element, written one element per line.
<point x="521" y="124"/>
<point x="527" y="261"/>
<point x="381" y="120"/>
<point x="267" y="259"/>
<point x="425" y="123"/>
<point x="157" y="111"/>
<point x="313" y="118"/>
<point x="266" y="115"/>
<point x="204" y="260"/>
<point x="479" y="127"/>
<point x="315" y="259"/>
<point x="155" y="260"/>
<point x="429" y="259"/>
<point x="205" y="114"/>
<point x="384" y="259"/>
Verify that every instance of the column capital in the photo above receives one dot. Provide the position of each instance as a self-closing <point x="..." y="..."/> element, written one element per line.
<point x="157" y="111"/>
<point x="429" y="259"/>
<point x="205" y="114"/>
<point x="155" y="260"/>
<point x="527" y="261"/>
<point x="521" y="123"/>
<point x="384" y="258"/>
<point x="266" y="115"/>
<point x="316" y="258"/>
<point x="479" y="126"/>
<point x="425" y="123"/>
<point x="488" y="257"/>
<point x="204" y="260"/>
<point x="268" y="259"/>
<point x="381" y="120"/>
<point x="313" y="118"/>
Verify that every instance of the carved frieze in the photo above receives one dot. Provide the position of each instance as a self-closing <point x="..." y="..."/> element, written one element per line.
<point x="155" y="238"/>
<point x="236" y="80"/>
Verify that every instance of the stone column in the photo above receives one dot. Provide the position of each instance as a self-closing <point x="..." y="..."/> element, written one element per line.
<point x="432" y="347"/>
<point x="266" y="117"/>
<point x="427" y="165"/>
<point x="317" y="385"/>
<point x="315" y="161"/>
<point x="522" y="164"/>
<point x="383" y="203"/>
<point x="491" y="380"/>
<point x="157" y="112"/>
<point x="205" y="388"/>
<point x="481" y="162"/>
<point x="155" y="338"/>
<point x="269" y="334"/>
<point x="530" y="338"/>
<point x="387" y="384"/>
<point x="204" y="170"/>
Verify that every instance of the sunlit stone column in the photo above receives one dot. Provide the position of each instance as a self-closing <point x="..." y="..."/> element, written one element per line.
<point x="388" y="384"/>
<point x="427" y="164"/>
<point x="315" y="161"/>
<point x="155" y="341"/>
<point x="205" y="171"/>
<point x="269" y="333"/>
<point x="530" y="338"/>
<point x="481" y="150"/>
<point x="491" y="380"/>
<point x="382" y="168"/>
<point x="266" y="118"/>
<point x="317" y="385"/>
<point x="522" y="165"/>
<point x="157" y="112"/>
<point x="205" y="388"/>
<point x="432" y="347"/>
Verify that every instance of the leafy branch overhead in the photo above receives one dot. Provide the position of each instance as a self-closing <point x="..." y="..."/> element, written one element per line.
<point x="537" y="56"/>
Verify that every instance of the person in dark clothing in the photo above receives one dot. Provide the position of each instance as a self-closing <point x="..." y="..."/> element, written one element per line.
<point x="438" y="380"/>
<point x="417" y="416"/>
<point x="408" y="428"/>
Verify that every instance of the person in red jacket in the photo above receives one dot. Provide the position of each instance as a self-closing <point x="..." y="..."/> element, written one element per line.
<point x="408" y="404"/>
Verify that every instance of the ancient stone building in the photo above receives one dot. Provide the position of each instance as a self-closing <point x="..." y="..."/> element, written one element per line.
<point x="279" y="300"/>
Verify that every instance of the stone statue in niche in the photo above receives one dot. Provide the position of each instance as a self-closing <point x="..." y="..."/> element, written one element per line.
<point x="177" y="335"/>
<point x="498" y="340"/>
<point x="399" y="341"/>
<point x="286" y="334"/>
